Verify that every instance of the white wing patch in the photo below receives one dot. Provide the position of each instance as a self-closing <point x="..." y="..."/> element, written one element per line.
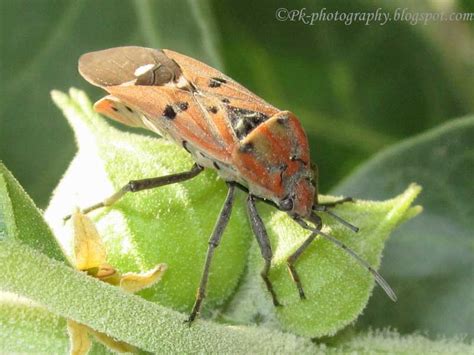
<point x="143" y="69"/>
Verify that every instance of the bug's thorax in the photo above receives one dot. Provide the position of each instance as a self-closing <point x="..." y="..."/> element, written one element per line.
<point x="274" y="160"/>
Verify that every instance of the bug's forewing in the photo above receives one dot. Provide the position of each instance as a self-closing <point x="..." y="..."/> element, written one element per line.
<point x="202" y="76"/>
<point x="192" y="125"/>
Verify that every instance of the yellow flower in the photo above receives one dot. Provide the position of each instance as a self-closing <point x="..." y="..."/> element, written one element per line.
<point x="91" y="257"/>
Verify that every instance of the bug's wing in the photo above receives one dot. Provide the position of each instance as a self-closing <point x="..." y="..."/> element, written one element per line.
<point x="148" y="89"/>
<point x="211" y="81"/>
<point x="112" y="107"/>
<point x="127" y="66"/>
<point x="176" y="114"/>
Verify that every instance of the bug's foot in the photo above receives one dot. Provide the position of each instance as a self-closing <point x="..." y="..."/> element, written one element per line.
<point x="189" y="321"/>
<point x="191" y="318"/>
<point x="276" y="303"/>
<point x="296" y="278"/>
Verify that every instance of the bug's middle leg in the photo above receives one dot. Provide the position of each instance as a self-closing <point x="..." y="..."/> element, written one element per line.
<point x="260" y="233"/>
<point x="214" y="241"/>
<point x="293" y="257"/>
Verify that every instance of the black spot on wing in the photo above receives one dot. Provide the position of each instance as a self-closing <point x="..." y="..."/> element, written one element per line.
<point x="216" y="82"/>
<point x="169" y="112"/>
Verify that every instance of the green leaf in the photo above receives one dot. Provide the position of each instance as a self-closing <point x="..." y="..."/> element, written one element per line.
<point x="430" y="260"/>
<point x="7" y="221"/>
<point x="336" y="286"/>
<point x="21" y="219"/>
<point x="390" y="342"/>
<point x="169" y="225"/>
<point x="26" y="327"/>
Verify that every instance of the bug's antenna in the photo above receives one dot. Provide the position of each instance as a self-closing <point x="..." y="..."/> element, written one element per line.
<point x="326" y="209"/>
<point x="378" y="278"/>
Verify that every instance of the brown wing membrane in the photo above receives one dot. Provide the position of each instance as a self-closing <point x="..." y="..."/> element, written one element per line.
<point x="121" y="65"/>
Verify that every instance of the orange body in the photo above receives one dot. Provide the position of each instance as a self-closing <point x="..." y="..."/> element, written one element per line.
<point x="220" y="123"/>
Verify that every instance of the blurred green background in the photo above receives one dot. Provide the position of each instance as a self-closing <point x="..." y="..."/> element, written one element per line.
<point x="357" y="88"/>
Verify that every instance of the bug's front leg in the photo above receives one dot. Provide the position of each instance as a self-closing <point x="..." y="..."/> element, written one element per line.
<point x="293" y="257"/>
<point x="214" y="241"/>
<point x="260" y="233"/>
<point x="144" y="184"/>
<point x="326" y="207"/>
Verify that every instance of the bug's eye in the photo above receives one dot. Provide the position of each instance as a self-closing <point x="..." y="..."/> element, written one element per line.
<point x="286" y="204"/>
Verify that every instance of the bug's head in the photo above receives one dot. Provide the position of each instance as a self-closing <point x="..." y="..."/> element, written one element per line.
<point x="300" y="197"/>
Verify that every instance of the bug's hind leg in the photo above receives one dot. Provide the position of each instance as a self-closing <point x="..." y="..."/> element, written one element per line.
<point x="144" y="184"/>
<point x="260" y="233"/>
<point x="290" y="262"/>
<point x="213" y="244"/>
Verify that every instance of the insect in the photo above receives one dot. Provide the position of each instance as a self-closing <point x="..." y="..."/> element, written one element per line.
<point x="251" y="144"/>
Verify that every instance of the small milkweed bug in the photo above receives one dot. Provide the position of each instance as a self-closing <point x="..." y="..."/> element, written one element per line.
<point x="251" y="144"/>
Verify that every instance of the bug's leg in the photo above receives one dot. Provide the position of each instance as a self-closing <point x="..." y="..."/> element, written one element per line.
<point x="260" y="233"/>
<point x="144" y="184"/>
<point x="293" y="257"/>
<point x="213" y="244"/>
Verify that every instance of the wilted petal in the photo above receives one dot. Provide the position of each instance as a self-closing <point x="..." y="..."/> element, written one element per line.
<point x="134" y="282"/>
<point x="79" y="338"/>
<point x="88" y="248"/>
